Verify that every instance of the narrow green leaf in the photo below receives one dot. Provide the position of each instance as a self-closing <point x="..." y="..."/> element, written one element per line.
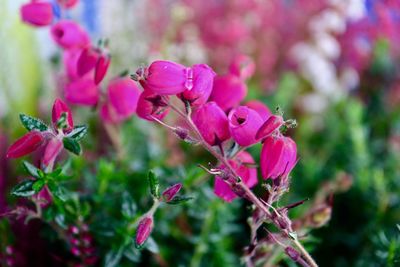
<point x="62" y="121"/>
<point x="72" y="145"/>
<point x="128" y="208"/>
<point x="179" y="200"/>
<point x="32" y="170"/>
<point x="38" y="185"/>
<point x="24" y="189"/>
<point x="78" y="132"/>
<point x="31" y="123"/>
<point x="154" y="184"/>
<point x="58" y="191"/>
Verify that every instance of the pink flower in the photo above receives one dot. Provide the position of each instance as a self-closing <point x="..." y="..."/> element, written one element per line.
<point x="168" y="78"/>
<point x="259" y="106"/>
<point x="59" y="107"/>
<point x="44" y="197"/>
<point x="68" y="3"/>
<point x="122" y="98"/>
<point x="87" y="60"/>
<point x="171" y="192"/>
<point x="143" y="231"/>
<point x="151" y="105"/>
<point x="228" y="91"/>
<point x="37" y="13"/>
<point x="68" y="34"/>
<point x="248" y="174"/>
<point x="26" y="144"/>
<point x="82" y="92"/>
<point x="203" y="77"/>
<point x="212" y="123"/>
<point x="272" y="124"/>
<point x="53" y="149"/>
<point x="244" y="124"/>
<point x="278" y="157"/>
<point x="101" y="68"/>
<point x="242" y="66"/>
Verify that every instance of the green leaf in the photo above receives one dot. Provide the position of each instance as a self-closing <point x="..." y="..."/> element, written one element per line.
<point x="62" y="121"/>
<point x="32" y="170"/>
<point x="31" y="123"/>
<point x="58" y="191"/>
<point x="38" y="185"/>
<point x="179" y="200"/>
<point x="154" y="184"/>
<point x="113" y="257"/>
<point x="24" y="189"/>
<point x="78" y="132"/>
<point x="128" y="208"/>
<point x="72" y="145"/>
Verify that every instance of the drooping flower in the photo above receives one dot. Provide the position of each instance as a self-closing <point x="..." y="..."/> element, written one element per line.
<point x="248" y="175"/>
<point x="212" y="123"/>
<point x="228" y="91"/>
<point x="87" y="60"/>
<point x="68" y="34"/>
<point x="143" y="231"/>
<point x="59" y="107"/>
<point x="101" y="68"/>
<point x="272" y="124"/>
<point x="260" y="107"/>
<point x="171" y="192"/>
<point x="82" y="92"/>
<point x="203" y="77"/>
<point x="244" y="123"/>
<point x="152" y="105"/>
<point x="278" y="156"/>
<point x="242" y="66"/>
<point x="37" y="13"/>
<point x="26" y="144"/>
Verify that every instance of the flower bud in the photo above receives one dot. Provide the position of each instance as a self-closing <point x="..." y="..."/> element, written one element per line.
<point x="248" y="175"/>
<point x="242" y="66"/>
<point x="171" y="192"/>
<point x="25" y="145"/>
<point x="101" y="68"/>
<point x="273" y="123"/>
<point x="44" y="197"/>
<point x="59" y="107"/>
<point x="68" y="3"/>
<point x="87" y="61"/>
<point x="37" y="13"/>
<point x="259" y="106"/>
<point x="203" y="78"/>
<point x="151" y="105"/>
<point x="53" y="149"/>
<point x="212" y="123"/>
<point x="68" y="34"/>
<point x="228" y="91"/>
<point x="244" y="124"/>
<point x="278" y="157"/>
<point x="82" y="92"/>
<point x="143" y="231"/>
<point x="168" y="78"/>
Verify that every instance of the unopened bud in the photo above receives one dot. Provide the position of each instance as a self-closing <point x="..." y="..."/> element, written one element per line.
<point x="171" y="192"/>
<point x="273" y="123"/>
<point x="182" y="133"/>
<point x="143" y="231"/>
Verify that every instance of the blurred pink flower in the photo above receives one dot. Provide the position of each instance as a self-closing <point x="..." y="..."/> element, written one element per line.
<point x="37" y="13"/>
<point x="82" y="92"/>
<point x="151" y="105"/>
<point x="68" y="34"/>
<point x="228" y="91"/>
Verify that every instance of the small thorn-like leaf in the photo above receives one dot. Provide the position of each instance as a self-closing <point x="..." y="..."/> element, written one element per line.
<point x="24" y="189"/>
<point x="179" y="200"/>
<point x="32" y="170"/>
<point x="31" y="123"/>
<point x="78" y="132"/>
<point x="72" y="145"/>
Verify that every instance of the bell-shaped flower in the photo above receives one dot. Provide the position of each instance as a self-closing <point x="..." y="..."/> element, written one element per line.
<point x="278" y="157"/>
<point x="59" y="108"/>
<point x="26" y="144"/>
<point x="203" y="78"/>
<point x="247" y="173"/>
<point x="272" y="124"/>
<point x="37" y="13"/>
<point x="242" y="66"/>
<point x="68" y="34"/>
<point x="228" y="91"/>
<point x="260" y="107"/>
<point x="152" y="105"/>
<point x="143" y="231"/>
<point x="244" y="123"/>
<point x="212" y="123"/>
<point x="101" y="68"/>
<point x="82" y="92"/>
<point x="67" y="4"/>
<point x="87" y="60"/>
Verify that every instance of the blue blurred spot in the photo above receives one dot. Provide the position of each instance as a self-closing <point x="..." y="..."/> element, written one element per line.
<point x="90" y="15"/>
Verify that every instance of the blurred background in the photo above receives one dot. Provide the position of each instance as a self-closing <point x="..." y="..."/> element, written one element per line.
<point x="333" y="65"/>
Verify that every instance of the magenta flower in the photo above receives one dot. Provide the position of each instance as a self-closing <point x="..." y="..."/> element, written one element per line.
<point x="67" y="3"/>
<point x="244" y="123"/>
<point x="228" y="91"/>
<point x="212" y="123"/>
<point x="37" y="13"/>
<point x="59" y="107"/>
<point x="44" y="197"/>
<point x="53" y="149"/>
<point x="87" y="60"/>
<point x="151" y="105"/>
<point x="171" y="192"/>
<point x="242" y="66"/>
<point x="248" y="174"/>
<point x="122" y="98"/>
<point x="68" y="34"/>
<point x="278" y="157"/>
<point x="260" y="107"/>
<point x="26" y="144"/>
<point x="203" y="78"/>
<point x="168" y="78"/>
<point x="82" y="92"/>
<point x="143" y="231"/>
<point x="272" y="124"/>
<point x="101" y="68"/>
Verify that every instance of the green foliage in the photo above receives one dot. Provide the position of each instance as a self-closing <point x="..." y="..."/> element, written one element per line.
<point x="31" y="123"/>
